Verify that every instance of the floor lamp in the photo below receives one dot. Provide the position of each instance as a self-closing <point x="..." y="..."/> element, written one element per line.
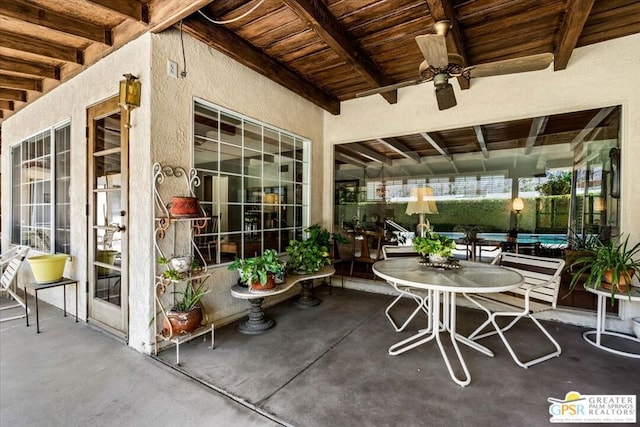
<point x="421" y="201"/>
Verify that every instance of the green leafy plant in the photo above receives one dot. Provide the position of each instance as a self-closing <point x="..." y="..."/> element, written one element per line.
<point x="189" y="297"/>
<point x="257" y="269"/>
<point x="322" y="237"/>
<point x="434" y="244"/>
<point x="557" y="183"/>
<point x="613" y="262"/>
<point x="582" y="241"/>
<point x="310" y="255"/>
<point x="173" y="274"/>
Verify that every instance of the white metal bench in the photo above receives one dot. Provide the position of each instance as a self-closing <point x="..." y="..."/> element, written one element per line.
<point x="389" y="251"/>
<point x="539" y="292"/>
<point x="10" y="263"/>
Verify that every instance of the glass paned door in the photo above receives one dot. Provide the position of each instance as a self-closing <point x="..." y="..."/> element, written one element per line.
<point x="107" y="208"/>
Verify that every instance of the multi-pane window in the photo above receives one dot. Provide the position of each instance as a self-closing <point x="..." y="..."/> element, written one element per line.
<point x="40" y="179"/>
<point x="254" y="184"/>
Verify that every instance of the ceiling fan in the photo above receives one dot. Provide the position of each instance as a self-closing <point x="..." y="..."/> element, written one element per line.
<point x="440" y="65"/>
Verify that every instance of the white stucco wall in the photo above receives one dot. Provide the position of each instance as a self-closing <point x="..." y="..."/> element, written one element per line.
<point x="70" y="101"/>
<point x="220" y="80"/>
<point x="594" y="78"/>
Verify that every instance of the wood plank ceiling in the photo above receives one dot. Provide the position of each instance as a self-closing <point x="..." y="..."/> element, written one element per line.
<point x="326" y="51"/>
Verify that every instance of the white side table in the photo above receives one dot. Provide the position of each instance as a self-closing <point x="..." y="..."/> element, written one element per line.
<point x="603" y="295"/>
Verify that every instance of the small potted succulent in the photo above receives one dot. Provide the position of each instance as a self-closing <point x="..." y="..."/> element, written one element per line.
<point x="179" y="268"/>
<point x="609" y="265"/>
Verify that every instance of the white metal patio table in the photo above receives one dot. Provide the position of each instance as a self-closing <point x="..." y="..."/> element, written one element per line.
<point x="594" y="337"/>
<point x="470" y="278"/>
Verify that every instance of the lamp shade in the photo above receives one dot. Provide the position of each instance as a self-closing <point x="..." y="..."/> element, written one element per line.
<point x="421" y="201"/>
<point x="270" y="200"/>
<point x="518" y="204"/>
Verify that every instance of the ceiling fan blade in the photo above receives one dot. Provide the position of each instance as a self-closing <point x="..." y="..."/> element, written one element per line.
<point x="389" y="87"/>
<point x="434" y="49"/>
<point x="511" y="66"/>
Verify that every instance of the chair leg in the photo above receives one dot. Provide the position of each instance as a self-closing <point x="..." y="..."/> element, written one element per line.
<point x="419" y="300"/>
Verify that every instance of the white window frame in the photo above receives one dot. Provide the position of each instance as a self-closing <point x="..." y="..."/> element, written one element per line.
<point x="46" y="237"/>
<point x="296" y="229"/>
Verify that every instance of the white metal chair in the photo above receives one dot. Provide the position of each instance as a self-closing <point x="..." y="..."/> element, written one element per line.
<point x="11" y="262"/>
<point x="539" y="292"/>
<point x="389" y="251"/>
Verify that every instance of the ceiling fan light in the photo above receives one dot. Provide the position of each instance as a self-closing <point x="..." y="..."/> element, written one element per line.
<point x="446" y="98"/>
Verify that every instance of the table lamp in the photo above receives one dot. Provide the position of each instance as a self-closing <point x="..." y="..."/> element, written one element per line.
<point x="270" y="202"/>
<point x="421" y="202"/>
<point x="518" y="206"/>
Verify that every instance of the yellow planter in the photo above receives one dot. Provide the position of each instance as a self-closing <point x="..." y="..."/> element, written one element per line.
<point x="48" y="268"/>
<point x="107" y="257"/>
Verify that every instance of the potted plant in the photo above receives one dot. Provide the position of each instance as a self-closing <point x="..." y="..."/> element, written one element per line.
<point x="310" y="255"/>
<point x="186" y="314"/>
<point x="179" y="268"/>
<point x="259" y="272"/>
<point x="608" y="265"/>
<point x="437" y="247"/>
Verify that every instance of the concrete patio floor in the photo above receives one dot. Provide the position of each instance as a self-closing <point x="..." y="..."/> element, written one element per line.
<point x="321" y="366"/>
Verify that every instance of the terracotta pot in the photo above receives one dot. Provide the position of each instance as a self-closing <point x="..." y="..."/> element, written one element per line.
<point x="270" y="284"/>
<point x="624" y="282"/>
<point x="183" y="206"/>
<point x="182" y="322"/>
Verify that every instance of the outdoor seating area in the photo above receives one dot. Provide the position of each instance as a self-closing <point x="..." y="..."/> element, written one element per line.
<point x="332" y="356"/>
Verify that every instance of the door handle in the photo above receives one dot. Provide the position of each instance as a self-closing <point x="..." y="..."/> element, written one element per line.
<point x="115" y="228"/>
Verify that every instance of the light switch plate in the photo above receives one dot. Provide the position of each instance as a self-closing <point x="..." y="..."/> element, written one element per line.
<point x="172" y="69"/>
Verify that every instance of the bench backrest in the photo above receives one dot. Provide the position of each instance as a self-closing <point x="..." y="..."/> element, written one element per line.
<point x="392" y="251"/>
<point x="11" y="264"/>
<point x="536" y="271"/>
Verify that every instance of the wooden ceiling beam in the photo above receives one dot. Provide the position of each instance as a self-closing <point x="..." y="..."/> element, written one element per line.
<point x="332" y="32"/>
<point x="40" y="47"/>
<point x="163" y="14"/>
<point x="443" y="151"/>
<point x="18" y="82"/>
<point x="481" y="141"/>
<point x="238" y="49"/>
<point x="23" y="11"/>
<point x="593" y="123"/>
<point x="443" y="10"/>
<point x="369" y="154"/>
<point x="128" y="8"/>
<point x="30" y="68"/>
<point x="400" y="148"/>
<point x="13" y="94"/>
<point x="570" y="29"/>
<point x="348" y="159"/>
<point x="6" y="105"/>
<point x="537" y="127"/>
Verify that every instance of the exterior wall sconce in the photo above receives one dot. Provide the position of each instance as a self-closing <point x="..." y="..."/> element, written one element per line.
<point x="129" y="95"/>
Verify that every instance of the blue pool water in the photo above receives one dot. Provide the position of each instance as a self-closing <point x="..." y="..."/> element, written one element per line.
<point x="550" y="240"/>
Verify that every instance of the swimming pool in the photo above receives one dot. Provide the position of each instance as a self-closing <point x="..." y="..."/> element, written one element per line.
<point x="547" y="240"/>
